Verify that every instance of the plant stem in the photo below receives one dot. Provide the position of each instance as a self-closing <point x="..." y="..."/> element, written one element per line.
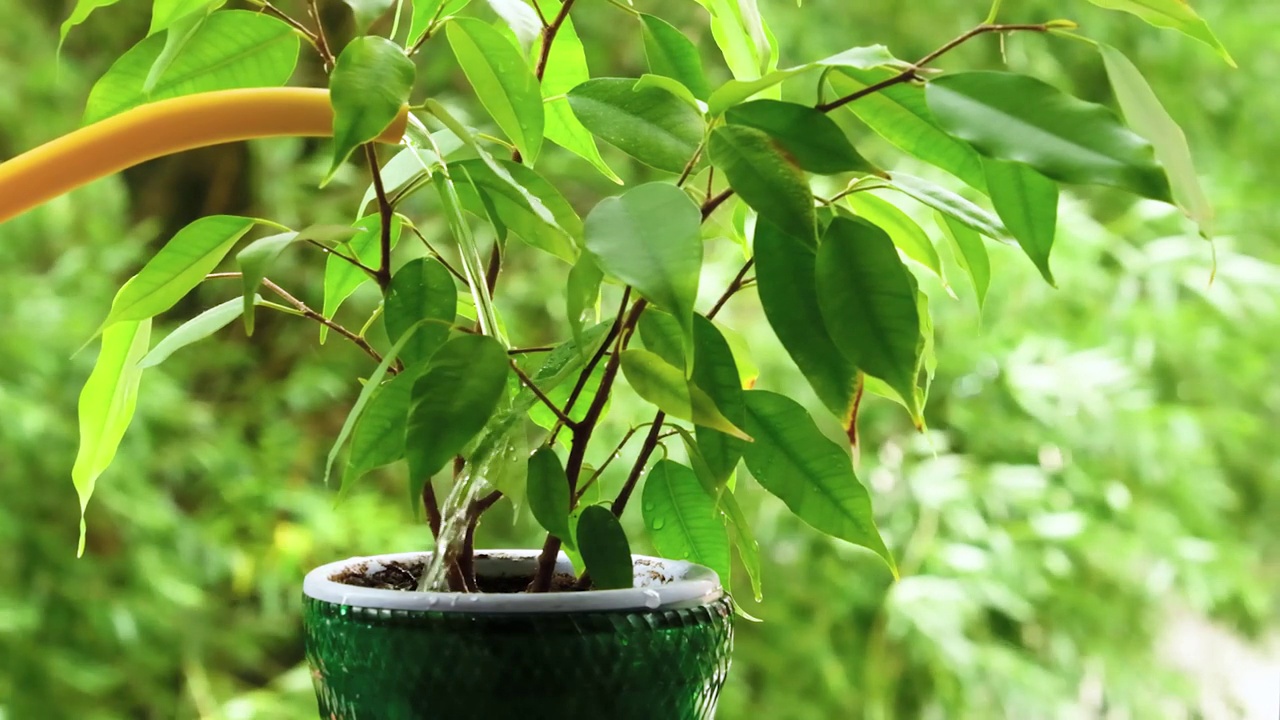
<point x="385" y="211"/>
<point x="549" y="36"/>
<point x="582" y="489"/>
<point x="734" y="287"/>
<point x="590" y="367"/>
<point x="432" y="507"/>
<point x="466" y="559"/>
<point x="714" y="202"/>
<point x="912" y="73"/>
<point x="531" y="350"/>
<point x="528" y="382"/>
<point x="495" y="267"/>
<point x="346" y="258"/>
<point x="301" y="29"/>
<point x="322" y="42"/>
<point x="436" y="253"/>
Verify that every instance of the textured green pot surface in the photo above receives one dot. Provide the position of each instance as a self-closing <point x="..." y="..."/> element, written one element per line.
<point x="648" y="653"/>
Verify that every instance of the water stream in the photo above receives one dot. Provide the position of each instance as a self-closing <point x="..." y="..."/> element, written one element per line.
<point x="453" y="526"/>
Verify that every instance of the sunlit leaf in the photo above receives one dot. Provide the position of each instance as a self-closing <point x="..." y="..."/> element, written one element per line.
<point x="1028" y="203"/>
<point x="427" y="11"/>
<point x="421" y="290"/>
<point x="368" y="11"/>
<point x="194" y="330"/>
<point x="971" y="254"/>
<point x="950" y="204"/>
<point x="906" y="233"/>
<point x="665" y="385"/>
<point x="1175" y="14"/>
<point x="738" y="90"/>
<point x="682" y="518"/>
<point x="1014" y="117"/>
<point x="744" y="538"/>
<point x="377" y="438"/>
<point x="794" y="461"/>
<point x="255" y="260"/>
<point x="807" y="136"/>
<point x="672" y="54"/>
<point x="341" y="278"/>
<point x="503" y="81"/>
<point x="369" y="85"/>
<point x="231" y="49"/>
<point x="81" y="12"/>
<point x="765" y="177"/>
<point x="107" y="402"/>
<point x="178" y="268"/>
<point x="604" y="548"/>
<point x="527" y="204"/>
<point x="650" y="124"/>
<point x="549" y="494"/>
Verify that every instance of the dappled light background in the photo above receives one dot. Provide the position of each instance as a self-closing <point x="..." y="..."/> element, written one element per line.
<point x="1087" y="528"/>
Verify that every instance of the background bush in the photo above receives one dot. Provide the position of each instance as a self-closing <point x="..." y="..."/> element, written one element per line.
<point x="1099" y="459"/>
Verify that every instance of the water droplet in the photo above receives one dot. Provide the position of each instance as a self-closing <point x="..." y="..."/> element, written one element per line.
<point x="343" y="610"/>
<point x="658" y="523"/>
<point x="473" y="598"/>
<point x="652" y="599"/>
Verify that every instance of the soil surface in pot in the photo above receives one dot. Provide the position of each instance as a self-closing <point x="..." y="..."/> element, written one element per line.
<point x="404" y="576"/>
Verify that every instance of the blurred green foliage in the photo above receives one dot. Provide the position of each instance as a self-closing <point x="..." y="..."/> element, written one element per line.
<point x="1099" y="456"/>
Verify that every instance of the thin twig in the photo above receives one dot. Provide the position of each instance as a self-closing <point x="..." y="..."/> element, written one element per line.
<point x="466" y="559"/>
<point x="549" y="33"/>
<point x="322" y="42"/>
<point x="712" y="203"/>
<point x="605" y="465"/>
<point x="385" y="211"/>
<point x="646" y="450"/>
<point x="279" y="14"/>
<point x="431" y="28"/>
<point x="531" y="350"/>
<point x="590" y="367"/>
<point x="432" y="508"/>
<point x="734" y="287"/>
<point x="330" y="251"/>
<point x="436" y="253"/>
<point x="529" y="383"/>
<point x="689" y="166"/>
<point x="494" y="268"/>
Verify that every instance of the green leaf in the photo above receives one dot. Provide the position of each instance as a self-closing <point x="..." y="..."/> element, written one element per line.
<point x="604" y="549"/>
<point x="672" y="54"/>
<point x="860" y="58"/>
<point x="744" y="538"/>
<point x="232" y="49"/>
<point x="167" y="12"/>
<point x="1006" y="116"/>
<point x="566" y="69"/>
<point x="80" y="13"/>
<point x="452" y="402"/>
<point x="664" y="385"/>
<point x="682" y="518"/>
<point x="194" y="330"/>
<point x="549" y="494"/>
<point x="422" y="290"/>
<point x="370" y="83"/>
<point x="521" y="19"/>
<point x="906" y="234"/>
<point x="177" y="37"/>
<point x="971" y="254"/>
<point x="794" y="461"/>
<point x="107" y="402"/>
<point x="650" y="124"/>
<point x="868" y="303"/>
<point x="178" y="268"/>
<point x="662" y="335"/>
<point x="649" y="238"/>
<point x="503" y="81"/>
<point x="378" y="437"/>
<point x="544" y="418"/>
<point x="741" y="34"/>
<point x="901" y="115"/>
<point x="1174" y="14"/>
<point x="427" y="11"/>
<point x="254" y="261"/>
<point x="341" y="278"/>
<point x="785" y="272"/>
<point x="950" y="204"/>
<point x="473" y="268"/>
<point x="765" y="177"/>
<point x="582" y="294"/>
<point x="1028" y="203"/>
<point x="1145" y="114"/>
<point x="808" y="136"/>
<point x="367" y="392"/>
<point x="368" y="11"/>
<point x="526" y="203"/>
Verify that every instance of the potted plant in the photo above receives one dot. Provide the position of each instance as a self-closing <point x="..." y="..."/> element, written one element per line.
<point x="581" y="627"/>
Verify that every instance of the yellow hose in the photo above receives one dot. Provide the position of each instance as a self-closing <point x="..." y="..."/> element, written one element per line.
<point x="163" y="128"/>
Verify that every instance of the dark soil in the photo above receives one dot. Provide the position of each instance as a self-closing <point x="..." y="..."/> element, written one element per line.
<point x="404" y="576"/>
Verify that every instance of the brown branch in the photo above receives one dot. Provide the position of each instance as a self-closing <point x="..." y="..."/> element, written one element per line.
<point x="734" y="287"/>
<point x="590" y="367"/>
<point x="494" y="268"/>
<point x="385" y="211"/>
<point x="531" y="350"/>
<point x="528" y="382"/>
<point x="582" y="489"/>
<point x="346" y="258"/>
<point x="432" y="507"/>
<point x="712" y="203"/>
<point x="322" y="42"/>
<point x="436" y="253"/>
<point x="549" y="33"/>
<point x="466" y="559"/>
<point x="301" y="29"/>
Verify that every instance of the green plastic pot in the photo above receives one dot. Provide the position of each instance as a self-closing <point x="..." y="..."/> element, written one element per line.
<point x="657" y="651"/>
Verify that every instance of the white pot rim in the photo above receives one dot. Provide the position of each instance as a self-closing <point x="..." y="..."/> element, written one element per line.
<point x="660" y="584"/>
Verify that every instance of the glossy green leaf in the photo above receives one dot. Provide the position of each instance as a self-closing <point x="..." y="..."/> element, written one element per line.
<point x="81" y="12"/>
<point x="950" y="204"/>
<point x="741" y="35"/>
<point x="178" y="268"/>
<point x="1014" y="117"/>
<point x="106" y="407"/>
<point x="255" y="260"/>
<point x="370" y="83"/>
<point x="1174" y="14"/>
<point x="542" y="416"/>
<point x="425" y="12"/>
<point x="1146" y="115"/>
<point x="662" y="335"/>
<point x="341" y="278"/>
<point x="604" y="548"/>
<point x="868" y="303"/>
<point x="1028" y="203"/>
<point x="664" y="385"/>
<point x="231" y="49"/>
<point x="472" y="266"/>
<point x="549" y="494"/>
<point x="901" y="115"/>
<point x="526" y="203"/>
<point x="650" y="124"/>
<point x="744" y="538"/>
<point x="662" y="82"/>
<point x="785" y="272"/>
<point x="906" y="233"/>
<point x="682" y="518"/>
<point x="971" y="254"/>
<point x="194" y="330"/>
<point x="649" y="238"/>
<point x="716" y="372"/>
<point x="368" y="11"/>
<point x="672" y="54"/>
<point x="794" y="461"/>
<point x="452" y="402"/>
<point x="378" y="437"/>
<point x="503" y="81"/>
<point x="809" y="137"/>
<point x="167" y="12"/>
<point x="582" y="294"/>
<point x="566" y="69"/>
<point x="738" y="90"/>
<point x="766" y="177"/>
<point x="521" y="19"/>
<point x="422" y="290"/>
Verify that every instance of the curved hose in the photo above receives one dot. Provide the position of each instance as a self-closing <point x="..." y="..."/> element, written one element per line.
<point x="163" y="128"/>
